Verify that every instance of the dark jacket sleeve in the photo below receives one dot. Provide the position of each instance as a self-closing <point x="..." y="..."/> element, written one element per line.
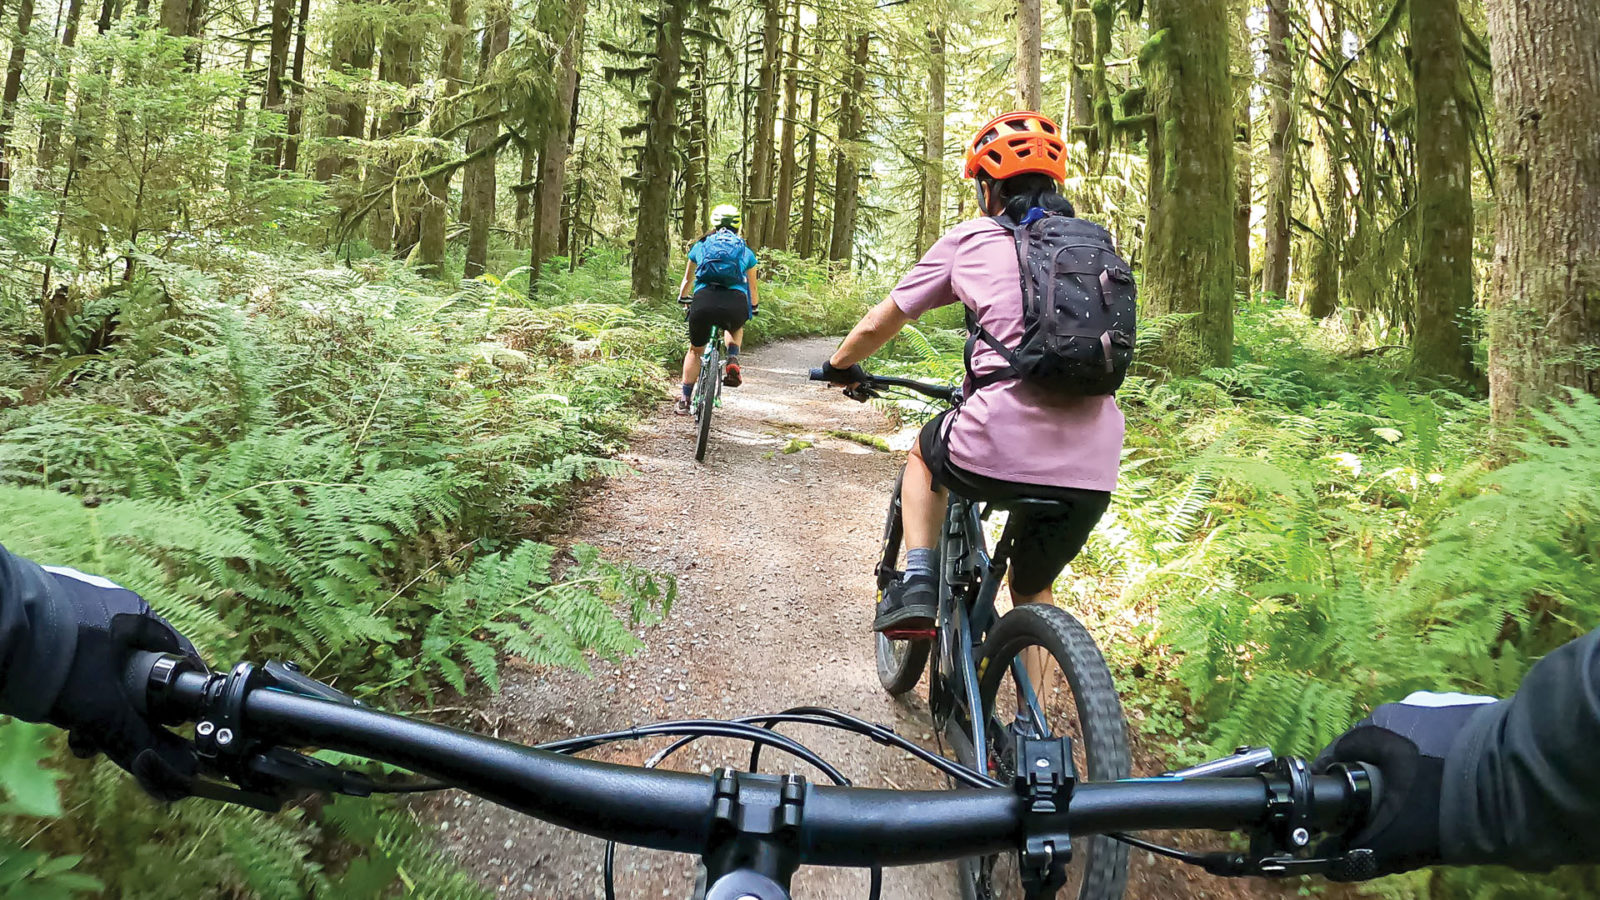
<point x="1522" y="780"/>
<point x="37" y="637"/>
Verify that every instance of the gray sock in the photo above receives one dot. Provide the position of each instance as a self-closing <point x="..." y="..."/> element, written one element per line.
<point x="920" y="561"/>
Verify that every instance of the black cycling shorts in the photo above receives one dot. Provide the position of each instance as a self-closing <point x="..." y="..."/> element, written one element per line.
<point x="1045" y="542"/>
<point x="726" y="308"/>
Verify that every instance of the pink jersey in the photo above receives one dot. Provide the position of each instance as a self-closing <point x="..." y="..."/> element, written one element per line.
<point x="1009" y="430"/>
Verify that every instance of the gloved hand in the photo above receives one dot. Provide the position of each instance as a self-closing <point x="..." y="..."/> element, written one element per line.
<point x="851" y="376"/>
<point x="1408" y="742"/>
<point x="755" y="311"/>
<point x="95" y="706"/>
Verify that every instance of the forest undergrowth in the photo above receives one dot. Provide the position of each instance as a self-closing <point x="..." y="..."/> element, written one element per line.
<point x="338" y="463"/>
<point x="1312" y="532"/>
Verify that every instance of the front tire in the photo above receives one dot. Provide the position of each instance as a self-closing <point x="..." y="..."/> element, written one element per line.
<point x="1079" y="700"/>
<point x="705" y="402"/>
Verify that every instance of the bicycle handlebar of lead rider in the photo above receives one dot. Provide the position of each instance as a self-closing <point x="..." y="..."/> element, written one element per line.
<point x="244" y="712"/>
<point x="942" y="392"/>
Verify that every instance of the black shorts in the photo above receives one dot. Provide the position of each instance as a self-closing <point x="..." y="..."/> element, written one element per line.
<point x="726" y="308"/>
<point x="1045" y="542"/>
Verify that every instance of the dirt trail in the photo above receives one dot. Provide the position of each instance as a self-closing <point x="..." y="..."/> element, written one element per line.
<point x="773" y="551"/>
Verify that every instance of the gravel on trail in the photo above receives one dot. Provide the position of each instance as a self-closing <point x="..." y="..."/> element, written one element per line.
<point x="773" y="541"/>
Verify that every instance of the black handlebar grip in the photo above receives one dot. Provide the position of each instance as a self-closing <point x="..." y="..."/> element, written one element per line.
<point x="136" y="678"/>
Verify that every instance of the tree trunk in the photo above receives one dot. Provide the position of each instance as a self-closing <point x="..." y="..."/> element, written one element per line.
<point x="477" y="180"/>
<point x="1030" y="54"/>
<point x="697" y="167"/>
<point x="175" y="17"/>
<point x="1189" y="239"/>
<point x="847" y="172"/>
<point x="656" y="159"/>
<point x="1280" y="87"/>
<point x="433" y="219"/>
<point x="297" y="81"/>
<point x="783" y="206"/>
<point x="347" y="112"/>
<point x="808" y="199"/>
<point x="270" y="150"/>
<point x="930" y="219"/>
<point x="532" y="129"/>
<point x="547" y="230"/>
<point x="50" y="128"/>
<point x="1441" y="344"/>
<point x="1081" y="83"/>
<point x="1243" y="81"/>
<point x="8" y="98"/>
<point x="394" y="65"/>
<point x="1322" y="295"/>
<point x="758" y="215"/>
<point x="1544" y="323"/>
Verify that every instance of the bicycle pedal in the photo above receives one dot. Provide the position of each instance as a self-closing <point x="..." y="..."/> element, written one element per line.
<point x="908" y="634"/>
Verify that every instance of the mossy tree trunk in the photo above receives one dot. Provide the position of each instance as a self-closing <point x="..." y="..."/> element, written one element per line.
<point x="697" y="161"/>
<point x="783" y="204"/>
<point x="930" y="215"/>
<point x="270" y="151"/>
<point x="351" y="40"/>
<point x="758" y="215"/>
<point x="478" y="176"/>
<point x="1081" y="84"/>
<point x="1280" y="141"/>
<point x="297" y="92"/>
<point x="656" y="159"/>
<point x="1441" y="344"/>
<point x="10" y="95"/>
<point x="1327" y="171"/>
<point x="1189" y="256"/>
<point x="806" y="243"/>
<point x="847" y="172"/>
<point x="547" y="228"/>
<point x="1544" y="324"/>
<point x="434" y="216"/>
<point x="50" y="128"/>
<point x="1244" y="79"/>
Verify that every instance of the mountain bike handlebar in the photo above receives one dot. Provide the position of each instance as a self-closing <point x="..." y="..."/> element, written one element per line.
<point x="249" y="711"/>
<point x="868" y="389"/>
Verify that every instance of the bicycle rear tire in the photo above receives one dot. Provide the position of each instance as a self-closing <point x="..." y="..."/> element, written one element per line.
<point x="705" y="402"/>
<point x="900" y="663"/>
<point x="1096" y="725"/>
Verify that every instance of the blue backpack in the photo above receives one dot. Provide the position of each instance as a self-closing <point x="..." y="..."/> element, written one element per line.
<point x="721" y="259"/>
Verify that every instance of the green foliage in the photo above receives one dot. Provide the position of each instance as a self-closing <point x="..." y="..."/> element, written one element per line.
<point x="344" y="467"/>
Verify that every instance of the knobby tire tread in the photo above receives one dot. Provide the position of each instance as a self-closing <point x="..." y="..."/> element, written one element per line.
<point x="1099" y="710"/>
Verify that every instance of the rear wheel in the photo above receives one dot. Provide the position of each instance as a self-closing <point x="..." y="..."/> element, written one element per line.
<point x="900" y="663"/>
<point x="705" y="400"/>
<point x="1077" y="699"/>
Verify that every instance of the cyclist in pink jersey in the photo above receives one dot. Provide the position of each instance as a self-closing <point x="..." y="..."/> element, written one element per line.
<point x="1008" y="438"/>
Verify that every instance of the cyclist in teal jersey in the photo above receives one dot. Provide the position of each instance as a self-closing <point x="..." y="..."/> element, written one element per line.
<point x="726" y="294"/>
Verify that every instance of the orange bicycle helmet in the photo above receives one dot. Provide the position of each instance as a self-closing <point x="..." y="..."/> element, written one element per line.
<point x="1015" y="144"/>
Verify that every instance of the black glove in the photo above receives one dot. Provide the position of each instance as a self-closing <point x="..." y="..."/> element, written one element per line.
<point x="1408" y="742"/>
<point x="852" y="375"/>
<point x="95" y="706"/>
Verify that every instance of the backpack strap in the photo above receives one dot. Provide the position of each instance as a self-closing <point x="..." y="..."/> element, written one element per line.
<point x="975" y="332"/>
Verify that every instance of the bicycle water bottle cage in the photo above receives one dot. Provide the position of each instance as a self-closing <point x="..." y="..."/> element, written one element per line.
<point x="1044" y="780"/>
<point x="755" y="835"/>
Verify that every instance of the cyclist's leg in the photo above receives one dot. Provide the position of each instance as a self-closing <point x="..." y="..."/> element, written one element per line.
<point x="914" y="600"/>
<point x="1045" y="545"/>
<point x="699" y="336"/>
<point x="921" y="504"/>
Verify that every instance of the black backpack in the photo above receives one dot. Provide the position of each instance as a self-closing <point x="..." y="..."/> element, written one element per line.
<point x="1078" y="310"/>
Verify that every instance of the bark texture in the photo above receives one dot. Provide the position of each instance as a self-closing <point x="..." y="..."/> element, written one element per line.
<point x="1030" y="54"/>
<point x="50" y="129"/>
<point x="930" y="219"/>
<point x="1189" y="240"/>
<point x="1544" y="330"/>
<point x="547" y="230"/>
<point x="10" y="94"/>
<point x="297" y="80"/>
<point x="1244" y="78"/>
<point x="352" y="44"/>
<point x="434" y="216"/>
<point x="847" y="172"/>
<point x="656" y="159"/>
<point x="1280" y="191"/>
<point x="758" y="214"/>
<point x="1081" y="85"/>
<point x="806" y="244"/>
<point x="477" y="178"/>
<point x="1441" y="344"/>
<point x="274" y="96"/>
<point x="783" y="203"/>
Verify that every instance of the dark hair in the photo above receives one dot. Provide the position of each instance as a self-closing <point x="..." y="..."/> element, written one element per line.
<point x="1020" y="193"/>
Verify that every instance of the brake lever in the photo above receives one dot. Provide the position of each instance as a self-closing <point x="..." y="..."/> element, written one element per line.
<point x="861" y="393"/>
<point x="1355" y="865"/>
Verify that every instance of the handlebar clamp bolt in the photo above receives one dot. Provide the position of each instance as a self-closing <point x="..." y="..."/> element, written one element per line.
<point x="224" y="737"/>
<point x="204" y="729"/>
<point x="1301" y="837"/>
